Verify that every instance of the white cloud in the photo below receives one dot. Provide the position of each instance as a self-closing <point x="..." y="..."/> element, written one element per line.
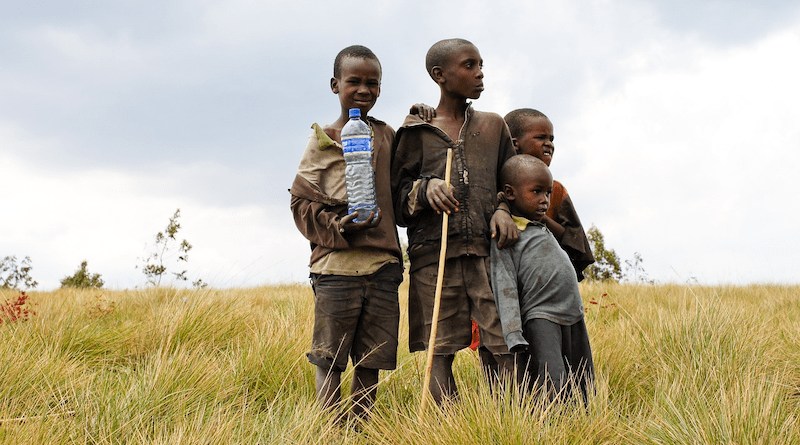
<point x="110" y="219"/>
<point x="689" y="163"/>
<point x="675" y="139"/>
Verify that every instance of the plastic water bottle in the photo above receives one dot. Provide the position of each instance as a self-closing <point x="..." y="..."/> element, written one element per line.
<point x="359" y="175"/>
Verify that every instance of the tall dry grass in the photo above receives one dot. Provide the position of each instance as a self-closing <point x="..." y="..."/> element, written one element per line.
<point x="675" y="365"/>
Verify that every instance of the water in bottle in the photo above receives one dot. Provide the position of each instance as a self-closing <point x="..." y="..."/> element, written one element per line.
<point x="359" y="175"/>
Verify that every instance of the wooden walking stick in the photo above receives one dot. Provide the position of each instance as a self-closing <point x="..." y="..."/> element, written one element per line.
<point x="437" y="299"/>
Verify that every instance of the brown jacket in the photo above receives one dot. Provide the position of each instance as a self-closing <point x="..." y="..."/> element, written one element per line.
<point x="421" y="151"/>
<point x="574" y="241"/>
<point x="319" y="198"/>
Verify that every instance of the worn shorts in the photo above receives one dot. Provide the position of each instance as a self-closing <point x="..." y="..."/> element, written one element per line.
<point x="356" y="317"/>
<point x="466" y="293"/>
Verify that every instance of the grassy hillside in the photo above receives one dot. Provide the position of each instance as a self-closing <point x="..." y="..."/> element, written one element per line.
<point x="676" y="364"/>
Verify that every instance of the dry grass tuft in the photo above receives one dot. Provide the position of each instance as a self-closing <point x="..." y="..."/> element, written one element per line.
<point x="676" y="364"/>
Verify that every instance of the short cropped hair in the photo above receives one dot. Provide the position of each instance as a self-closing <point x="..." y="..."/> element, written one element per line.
<point x="516" y="165"/>
<point x="516" y="120"/>
<point x="357" y="51"/>
<point x="440" y="52"/>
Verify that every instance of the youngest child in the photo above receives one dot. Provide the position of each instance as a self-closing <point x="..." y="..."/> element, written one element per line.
<point x="536" y="289"/>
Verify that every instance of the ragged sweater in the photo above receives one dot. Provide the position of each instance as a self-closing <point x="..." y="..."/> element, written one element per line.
<point x="483" y="146"/>
<point x="319" y="200"/>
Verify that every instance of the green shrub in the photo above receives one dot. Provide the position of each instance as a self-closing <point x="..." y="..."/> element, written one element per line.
<point x="12" y="275"/>
<point x="82" y="279"/>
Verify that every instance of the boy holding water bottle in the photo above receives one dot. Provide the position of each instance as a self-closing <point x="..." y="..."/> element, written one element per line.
<point x="356" y="267"/>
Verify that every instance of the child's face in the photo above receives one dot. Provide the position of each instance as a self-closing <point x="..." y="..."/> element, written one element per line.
<point x="530" y="197"/>
<point x="360" y="84"/>
<point x="463" y="74"/>
<point x="537" y="139"/>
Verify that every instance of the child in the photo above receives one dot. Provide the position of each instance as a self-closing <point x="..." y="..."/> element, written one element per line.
<point x="533" y="135"/>
<point x="356" y="268"/>
<point x="536" y="288"/>
<point x="481" y="144"/>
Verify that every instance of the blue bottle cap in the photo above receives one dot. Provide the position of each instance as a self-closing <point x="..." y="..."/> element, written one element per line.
<point x="355" y="112"/>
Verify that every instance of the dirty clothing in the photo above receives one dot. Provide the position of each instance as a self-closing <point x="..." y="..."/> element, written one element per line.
<point x="574" y="241"/>
<point x="541" y="310"/>
<point x="355" y="276"/>
<point x="483" y="145"/>
<point x="558" y="359"/>
<point x="533" y="279"/>
<point x="356" y="317"/>
<point x="463" y="276"/>
<point x="319" y="201"/>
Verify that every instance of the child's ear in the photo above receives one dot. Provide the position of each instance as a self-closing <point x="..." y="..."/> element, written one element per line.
<point x="437" y="74"/>
<point x="335" y="85"/>
<point x="509" y="191"/>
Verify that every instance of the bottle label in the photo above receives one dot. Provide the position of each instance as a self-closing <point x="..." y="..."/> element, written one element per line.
<point x="356" y="143"/>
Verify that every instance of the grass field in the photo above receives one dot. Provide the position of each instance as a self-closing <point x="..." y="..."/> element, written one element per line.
<point x="675" y="365"/>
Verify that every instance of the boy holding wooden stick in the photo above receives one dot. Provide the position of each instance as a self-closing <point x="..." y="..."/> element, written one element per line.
<point x="480" y="143"/>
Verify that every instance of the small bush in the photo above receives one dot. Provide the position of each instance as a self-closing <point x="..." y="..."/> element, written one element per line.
<point x="12" y="275"/>
<point x="606" y="262"/>
<point x="82" y="279"/>
<point x="166" y="245"/>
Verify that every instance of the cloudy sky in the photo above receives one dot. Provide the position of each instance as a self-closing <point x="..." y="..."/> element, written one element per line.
<point x="677" y="127"/>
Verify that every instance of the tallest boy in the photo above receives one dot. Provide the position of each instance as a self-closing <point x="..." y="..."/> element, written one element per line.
<point x="481" y="143"/>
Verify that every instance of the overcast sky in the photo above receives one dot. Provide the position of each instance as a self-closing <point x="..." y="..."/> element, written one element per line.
<point x="677" y="124"/>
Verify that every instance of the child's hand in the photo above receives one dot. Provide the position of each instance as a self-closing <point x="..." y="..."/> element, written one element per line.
<point x="440" y="197"/>
<point x="348" y="225"/>
<point x="504" y="229"/>
<point x="425" y="112"/>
